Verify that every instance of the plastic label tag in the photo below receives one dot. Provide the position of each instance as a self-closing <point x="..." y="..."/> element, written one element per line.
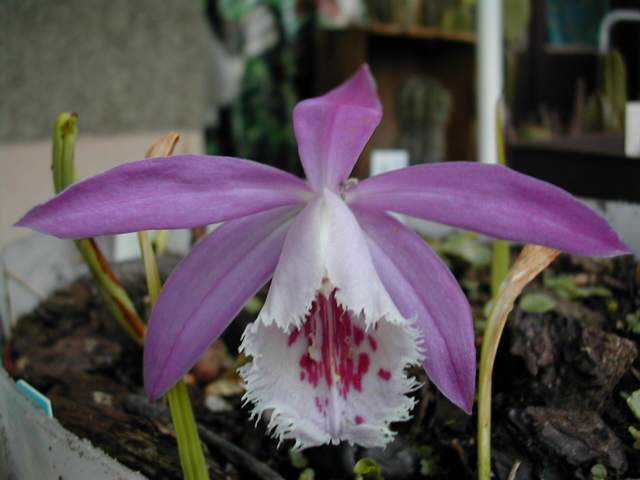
<point x="383" y="160"/>
<point x="38" y="399"/>
<point x="632" y="127"/>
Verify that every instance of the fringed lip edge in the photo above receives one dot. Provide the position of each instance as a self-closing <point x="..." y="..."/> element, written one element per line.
<point x="281" y="424"/>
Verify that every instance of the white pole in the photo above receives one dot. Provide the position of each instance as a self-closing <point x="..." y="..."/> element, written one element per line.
<point x="489" y="76"/>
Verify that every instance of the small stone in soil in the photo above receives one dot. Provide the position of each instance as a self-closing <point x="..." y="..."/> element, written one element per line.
<point x="578" y="436"/>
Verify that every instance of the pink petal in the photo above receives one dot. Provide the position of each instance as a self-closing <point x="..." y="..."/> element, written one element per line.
<point x="168" y="192"/>
<point x="423" y="288"/>
<point x="207" y="290"/>
<point x="493" y="200"/>
<point x="333" y="129"/>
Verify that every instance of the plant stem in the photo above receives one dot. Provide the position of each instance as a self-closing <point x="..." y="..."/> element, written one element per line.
<point x="115" y="297"/>
<point x="65" y="133"/>
<point x="192" y="461"/>
<point x="194" y="466"/>
<point x="490" y="342"/>
<point x="532" y="260"/>
<point x="150" y="268"/>
<point x="499" y="265"/>
<point x="500" y="262"/>
<point x="160" y="241"/>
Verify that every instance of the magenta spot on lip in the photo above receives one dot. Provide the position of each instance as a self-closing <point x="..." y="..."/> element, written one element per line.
<point x="357" y="382"/>
<point x="359" y="420"/>
<point x="363" y="363"/>
<point x="310" y="367"/>
<point x="372" y="342"/>
<point x="384" y="374"/>
<point x="332" y="342"/>
<point x="358" y="335"/>
<point x="318" y="404"/>
<point x="308" y="326"/>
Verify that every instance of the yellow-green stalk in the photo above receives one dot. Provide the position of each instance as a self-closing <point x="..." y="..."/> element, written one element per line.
<point x="194" y="465"/>
<point x="500" y="259"/>
<point x="65" y="133"/>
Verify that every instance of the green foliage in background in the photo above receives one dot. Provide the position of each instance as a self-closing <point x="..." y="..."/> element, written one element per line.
<point x="516" y="14"/>
<point x="368" y="469"/>
<point x="307" y="474"/>
<point x="632" y="320"/>
<point x="566" y="286"/>
<point x="465" y="246"/>
<point x="536" y="303"/>
<point x="423" y="100"/>
<point x="261" y="122"/>
<point x="261" y="117"/>
<point x="428" y="461"/>
<point x="598" y="472"/>
<point x="458" y="15"/>
<point x="606" y="108"/>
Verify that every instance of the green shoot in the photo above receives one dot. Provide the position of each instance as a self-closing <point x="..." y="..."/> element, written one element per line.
<point x="500" y="263"/>
<point x="65" y="133"/>
<point x="368" y="469"/>
<point x="194" y="465"/>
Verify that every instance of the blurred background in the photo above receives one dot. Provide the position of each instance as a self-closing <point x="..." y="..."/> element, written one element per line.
<point x="226" y="74"/>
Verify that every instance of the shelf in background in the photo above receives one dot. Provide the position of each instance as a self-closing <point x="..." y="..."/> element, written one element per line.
<point x="418" y="31"/>
<point x="592" y="167"/>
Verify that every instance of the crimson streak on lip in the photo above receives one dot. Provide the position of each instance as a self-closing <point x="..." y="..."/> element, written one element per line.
<point x="343" y="356"/>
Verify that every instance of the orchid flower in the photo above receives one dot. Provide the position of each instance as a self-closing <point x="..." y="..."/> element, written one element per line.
<point x="355" y="295"/>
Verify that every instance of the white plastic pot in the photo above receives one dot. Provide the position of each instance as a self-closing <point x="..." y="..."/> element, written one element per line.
<point x="32" y="445"/>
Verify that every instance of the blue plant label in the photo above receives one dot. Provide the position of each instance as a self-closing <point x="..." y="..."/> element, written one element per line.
<point x="36" y="397"/>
